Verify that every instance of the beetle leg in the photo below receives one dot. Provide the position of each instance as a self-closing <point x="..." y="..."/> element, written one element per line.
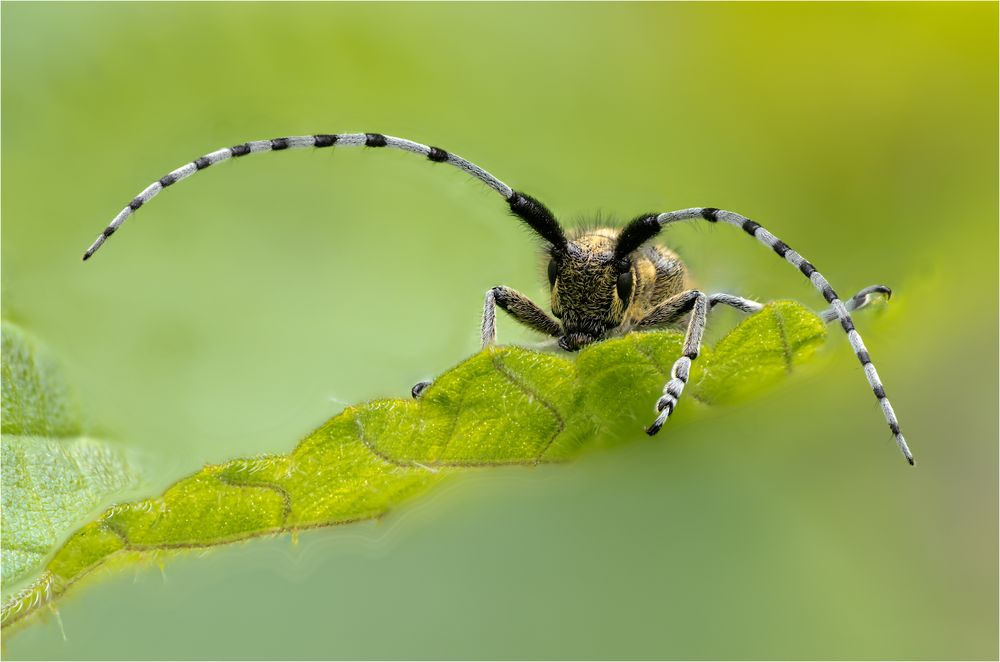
<point x="518" y="306"/>
<point x="697" y="302"/>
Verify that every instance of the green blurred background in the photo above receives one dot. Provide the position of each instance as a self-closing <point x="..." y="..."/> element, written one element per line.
<point x="242" y="308"/>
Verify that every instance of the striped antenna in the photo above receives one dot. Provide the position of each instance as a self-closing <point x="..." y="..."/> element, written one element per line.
<point x="528" y="209"/>
<point x="837" y="307"/>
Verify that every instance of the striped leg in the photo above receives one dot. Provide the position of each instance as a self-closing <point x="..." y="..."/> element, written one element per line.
<point x="837" y="307"/>
<point x="733" y="301"/>
<point x="860" y="300"/>
<point x="698" y="303"/>
<point x="525" y="207"/>
<point x="675" y="308"/>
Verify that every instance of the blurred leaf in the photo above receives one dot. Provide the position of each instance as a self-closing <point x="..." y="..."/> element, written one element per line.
<point x="36" y="400"/>
<point x="53" y="476"/>
<point x="502" y="406"/>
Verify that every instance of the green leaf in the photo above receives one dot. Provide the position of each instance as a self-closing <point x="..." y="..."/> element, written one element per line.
<point x="502" y="406"/>
<point x="54" y="477"/>
<point x="35" y="398"/>
<point x="781" y="337"/>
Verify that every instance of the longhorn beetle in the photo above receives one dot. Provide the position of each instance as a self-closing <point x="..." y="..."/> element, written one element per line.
<point x="603" y="282"/>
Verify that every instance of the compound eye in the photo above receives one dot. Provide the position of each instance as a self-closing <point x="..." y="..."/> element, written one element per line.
<point x="553" y="271"/>
<point x="625" y="286"/>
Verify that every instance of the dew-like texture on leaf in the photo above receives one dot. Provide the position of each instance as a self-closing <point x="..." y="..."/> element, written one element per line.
<point x="36" y="399"/>
<point x="53" y="476"/>
<point x="782" y="336"/>
<point x="502" y="406"/>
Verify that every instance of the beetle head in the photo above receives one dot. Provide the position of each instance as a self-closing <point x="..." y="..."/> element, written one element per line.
<point x="591" y="288"/>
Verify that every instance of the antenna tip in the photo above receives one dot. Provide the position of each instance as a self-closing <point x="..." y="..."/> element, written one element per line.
<point x="86" y="256"/>
<point x="909" y="458"/>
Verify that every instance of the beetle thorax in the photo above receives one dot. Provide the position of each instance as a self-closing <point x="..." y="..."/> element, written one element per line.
<point x="584" y="294"/>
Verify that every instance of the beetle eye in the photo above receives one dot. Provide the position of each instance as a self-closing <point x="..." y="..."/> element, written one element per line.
<point x="553" y="271"/>
<point x="625" y="286"/>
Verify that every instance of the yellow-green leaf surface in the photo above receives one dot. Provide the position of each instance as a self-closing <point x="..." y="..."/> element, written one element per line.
<point x="502" y="406"/>
<point x="53" y="475"/>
